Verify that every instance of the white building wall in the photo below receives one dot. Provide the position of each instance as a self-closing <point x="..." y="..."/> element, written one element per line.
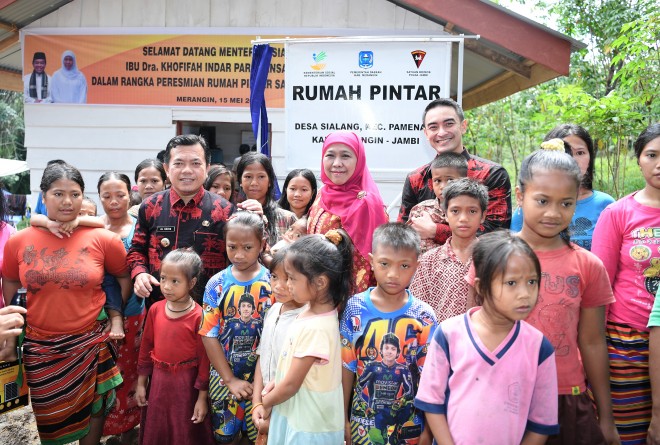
<point x="97" y="138"/>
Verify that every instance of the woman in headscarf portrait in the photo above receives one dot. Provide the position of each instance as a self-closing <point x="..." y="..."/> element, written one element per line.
<point x="349" y="200"/>
<point x="69" y="84"/>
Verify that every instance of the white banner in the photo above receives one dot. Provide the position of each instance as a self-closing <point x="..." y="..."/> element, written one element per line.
<point x="377" y="89"/>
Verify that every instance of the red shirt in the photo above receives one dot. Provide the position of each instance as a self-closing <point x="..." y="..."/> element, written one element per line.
<point x="174" y="342"/>
<point x="63" y="276"/>
<point x="418" y="187"/>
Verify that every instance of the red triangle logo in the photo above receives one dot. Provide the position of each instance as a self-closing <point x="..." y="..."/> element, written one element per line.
<point x="418" y="56"/>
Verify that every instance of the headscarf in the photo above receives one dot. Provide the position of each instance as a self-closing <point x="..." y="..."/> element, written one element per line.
<point x="69" y="86"/>
<point x="73" y="72"/>
<point x="357" y="202"/>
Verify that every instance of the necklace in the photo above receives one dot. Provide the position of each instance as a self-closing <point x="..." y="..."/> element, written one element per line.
<point x="192" y="302"/>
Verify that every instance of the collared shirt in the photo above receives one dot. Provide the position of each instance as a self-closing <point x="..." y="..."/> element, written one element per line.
<point x="418" y="187"/>
<point x="432" y="208"/>
<point x="166" y="222"/>
<point x="440" y="282"/>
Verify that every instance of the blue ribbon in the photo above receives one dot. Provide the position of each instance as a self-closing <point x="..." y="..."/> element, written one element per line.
<point x="261" y="57"/>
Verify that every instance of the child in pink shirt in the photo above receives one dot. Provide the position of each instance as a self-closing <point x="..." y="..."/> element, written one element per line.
<point x="573" y="295"/>
<point x="626" y="239"/>
<point x="489" y="377"/>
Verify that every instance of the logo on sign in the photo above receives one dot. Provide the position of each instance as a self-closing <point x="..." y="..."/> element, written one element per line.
<point x="418" y="57"/>
<point x="366" y="59"/>
<point x="319" y="61"/>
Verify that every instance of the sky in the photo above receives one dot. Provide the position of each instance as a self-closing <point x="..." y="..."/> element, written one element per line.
<point x="528" y="10"/>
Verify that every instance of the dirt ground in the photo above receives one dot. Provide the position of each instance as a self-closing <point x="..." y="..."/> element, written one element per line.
<point x="18" y="427"/>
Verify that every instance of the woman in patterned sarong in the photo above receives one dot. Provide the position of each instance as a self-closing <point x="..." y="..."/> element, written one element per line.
<point x="114" y="192"/>
<point x="69" y="366"/>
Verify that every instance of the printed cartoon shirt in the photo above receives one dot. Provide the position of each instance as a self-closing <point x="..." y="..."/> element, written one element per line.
<point x="386" y="351"/>
<point x="572" y="278"/>
<point x="627" y="240"/>
<point x="418" y="187"/>
<point x="226" y="318"/>
<point x="166" y="223"/>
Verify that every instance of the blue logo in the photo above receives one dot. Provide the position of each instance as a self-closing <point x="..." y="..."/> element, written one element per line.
<point x="366" y="59"/>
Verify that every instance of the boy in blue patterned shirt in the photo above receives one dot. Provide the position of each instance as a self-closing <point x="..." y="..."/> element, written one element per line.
<point x="384" y="333"/>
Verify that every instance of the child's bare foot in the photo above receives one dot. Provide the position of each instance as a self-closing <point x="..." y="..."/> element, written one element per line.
<point x="117" y="328"/>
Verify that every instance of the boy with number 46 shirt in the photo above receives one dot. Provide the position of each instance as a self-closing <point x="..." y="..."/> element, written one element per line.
<point x="384" y="334"/>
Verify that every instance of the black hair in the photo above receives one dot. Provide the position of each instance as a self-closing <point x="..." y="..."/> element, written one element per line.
<point x="305" y="173"/>
<point x="449" y="159"/>
<point x="56" y="171"/>
<point x="55" y="161"/>
<point x="161" y="156"/>
<point x="216" y="171"/>
<point x="278" y="258"/>
<point x="187" y="140"/>
<point x="316" y="255"/>
<point x="444" y="102"/>
<point x="147" y="163"/>
<point x="546" y="160"/>
<point x="243" y="148"/>
<point x="651" y="132"/>
<point x="390" y="339"/>
<point x="465" y="187"/>
<point x="90" y="200"/>
<point x="107" y="176"/>
<point x="248" y="220"/>
<point x="563" y="130"/>
<point x="398" y="236"/>
<point x="491" y="255"/>
<point x="246" y="298"/>
<point x="4" y="207"/>
<point x="270" y="205"/>
<point x="188" y="260"/>
<point x="135" y="198"/>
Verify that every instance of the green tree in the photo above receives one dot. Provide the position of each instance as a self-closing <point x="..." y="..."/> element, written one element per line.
<point x="12" y="126"/>
<point x="612" y="90"/>
<point x="12" y="139"/>
<point x="637" y="52"/>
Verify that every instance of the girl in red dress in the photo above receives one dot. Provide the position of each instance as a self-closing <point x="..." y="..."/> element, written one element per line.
<point x="173" y="365"/>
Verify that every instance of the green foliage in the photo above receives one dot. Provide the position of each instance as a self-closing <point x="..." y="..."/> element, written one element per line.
<point x="612" y="91"/>
<point x="612" y="121"/>
<point x="12" y="127"/>
<point x="598" y="23"/>
<point x="12" y="138"/>
<point x="637" y="51"/>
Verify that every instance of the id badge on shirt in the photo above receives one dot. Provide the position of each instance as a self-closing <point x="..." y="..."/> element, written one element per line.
<point x="166" y="235"/>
